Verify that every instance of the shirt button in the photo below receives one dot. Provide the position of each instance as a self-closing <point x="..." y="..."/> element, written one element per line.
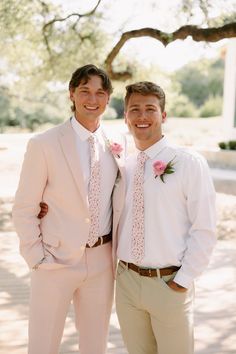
<point x="87" y="220"/>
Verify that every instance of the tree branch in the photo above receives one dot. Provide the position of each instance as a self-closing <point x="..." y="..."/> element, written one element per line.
<point x="49" y="24"/>
<point x="213" y="34"/>
<point x="75" y="14"/>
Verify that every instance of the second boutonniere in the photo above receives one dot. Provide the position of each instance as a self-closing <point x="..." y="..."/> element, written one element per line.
<point x="161" y="168"/>
<point x="116" y="149"/>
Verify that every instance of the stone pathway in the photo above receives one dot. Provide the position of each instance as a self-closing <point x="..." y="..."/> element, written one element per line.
<point x="215" y="306"/>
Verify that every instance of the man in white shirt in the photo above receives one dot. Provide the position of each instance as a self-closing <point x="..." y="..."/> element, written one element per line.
<point x="166" y="231"/>
<point x="69" y="250"/>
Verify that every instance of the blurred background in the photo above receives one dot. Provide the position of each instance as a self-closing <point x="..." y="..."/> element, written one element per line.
<point x="42" y="42"/>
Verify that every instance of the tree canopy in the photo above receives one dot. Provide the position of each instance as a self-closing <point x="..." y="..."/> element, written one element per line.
<point x="53" y="40"/>
<point x="41" y="44"/>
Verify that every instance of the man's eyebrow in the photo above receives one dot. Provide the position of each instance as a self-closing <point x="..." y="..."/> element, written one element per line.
<point x="83" y="86"/>
<point x="146" y="105"/>
<point x="134" y="105"/>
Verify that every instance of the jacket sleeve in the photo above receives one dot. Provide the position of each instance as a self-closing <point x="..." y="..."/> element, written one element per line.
<point x="33" y="180"/>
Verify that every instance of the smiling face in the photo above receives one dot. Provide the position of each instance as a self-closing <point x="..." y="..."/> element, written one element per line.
<point x="144" y="118"/>
<point x="90" y="100"/>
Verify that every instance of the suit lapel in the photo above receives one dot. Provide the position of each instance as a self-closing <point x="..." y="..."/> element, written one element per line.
<point x="68" y="145"/>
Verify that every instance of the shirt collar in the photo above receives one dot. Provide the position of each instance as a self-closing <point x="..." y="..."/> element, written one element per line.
<point x="81" y="131"/>
<point x="153" y="150"/>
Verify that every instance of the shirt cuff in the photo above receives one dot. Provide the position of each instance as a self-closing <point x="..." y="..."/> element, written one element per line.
<point x="183" y="279"/>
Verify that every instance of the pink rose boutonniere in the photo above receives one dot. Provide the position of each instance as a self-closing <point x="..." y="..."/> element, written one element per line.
<point x="116" y="149"/>
<point x="162" y="168"/>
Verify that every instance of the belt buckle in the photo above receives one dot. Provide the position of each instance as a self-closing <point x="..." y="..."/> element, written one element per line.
<point x="145" y="272"/>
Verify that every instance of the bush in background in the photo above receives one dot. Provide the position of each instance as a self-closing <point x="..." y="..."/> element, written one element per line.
<point x="180" y="106"/>
<point x="212" y="107"/>
<point x="117" y="103"/>
<point x="230" y="145"/>
<point x="200" y="79"/>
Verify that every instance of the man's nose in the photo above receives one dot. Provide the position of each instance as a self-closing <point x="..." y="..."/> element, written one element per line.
<point x="142" y="115"/>
<point x="92" y="98"/>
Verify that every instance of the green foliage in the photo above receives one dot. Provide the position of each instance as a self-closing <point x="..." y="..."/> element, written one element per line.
<point x="180" y="106"/>
<point x="5" y="107"/>
<point x="205" y="11"/>
<point x="41" y="52"/>
<point x="212" y="107"/>
<point x="197" y="89"/>
<point x="28" y="114"/>
<point x="33" y="120"/>
<point x="201" y="79"/>
<point x="228" y="145"/>
<point x="117" y="103"/>
<point x="34" y="63"/>
<point x="232" y="144"/>
<point x="223" y="145"/>
<point x="72" y="47"/>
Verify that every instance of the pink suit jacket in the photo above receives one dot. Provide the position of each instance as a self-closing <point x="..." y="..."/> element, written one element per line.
<point x="52" y="172"/>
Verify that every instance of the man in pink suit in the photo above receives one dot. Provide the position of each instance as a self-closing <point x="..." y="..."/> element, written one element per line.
<point x="70" y="249"/>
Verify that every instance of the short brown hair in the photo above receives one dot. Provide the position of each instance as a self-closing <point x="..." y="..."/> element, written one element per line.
<point x="83" y="75"/>
<point x="146" y="88"/>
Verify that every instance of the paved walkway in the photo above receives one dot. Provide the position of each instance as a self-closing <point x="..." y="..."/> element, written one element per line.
<point x="215" y="305"/>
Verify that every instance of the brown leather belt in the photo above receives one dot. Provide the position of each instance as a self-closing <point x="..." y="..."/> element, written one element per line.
<point x="101" y="240"/>
<point x="151" y="272"/>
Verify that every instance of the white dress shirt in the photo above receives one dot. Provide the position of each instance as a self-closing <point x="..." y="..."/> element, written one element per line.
<point x="108" y="170"/>
<point x="179" y="214"/>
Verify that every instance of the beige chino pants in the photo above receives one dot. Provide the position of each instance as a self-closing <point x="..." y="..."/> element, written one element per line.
<point x="154" y="319"/>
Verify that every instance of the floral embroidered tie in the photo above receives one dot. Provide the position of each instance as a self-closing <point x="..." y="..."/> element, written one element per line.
<point x="137" y="242"/>
<point x="94" y="192"/>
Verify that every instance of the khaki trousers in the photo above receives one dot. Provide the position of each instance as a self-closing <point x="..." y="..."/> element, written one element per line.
<point x="90" y="285"/>
<point x="154" y="319"/>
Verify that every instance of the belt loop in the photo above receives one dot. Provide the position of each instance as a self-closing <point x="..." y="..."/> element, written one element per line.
<point x="125" y="265"/>
<point x="101" y="239"/>
<point x="158" y="273"/>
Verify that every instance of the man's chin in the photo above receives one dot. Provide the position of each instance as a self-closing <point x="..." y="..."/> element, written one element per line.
<point x="140" y="135"/>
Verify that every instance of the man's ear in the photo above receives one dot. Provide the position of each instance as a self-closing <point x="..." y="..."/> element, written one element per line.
<point x="72" y="95"/>
<point x="125" y="117"/>
<point x="164" y="117"/>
